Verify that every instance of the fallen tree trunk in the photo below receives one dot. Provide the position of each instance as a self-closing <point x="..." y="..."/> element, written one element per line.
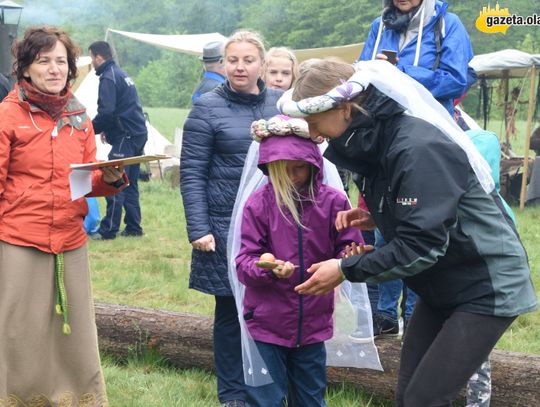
<point x="185" y="340"/>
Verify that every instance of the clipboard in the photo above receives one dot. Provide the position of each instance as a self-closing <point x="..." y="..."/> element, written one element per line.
<point x="121" y="161"/>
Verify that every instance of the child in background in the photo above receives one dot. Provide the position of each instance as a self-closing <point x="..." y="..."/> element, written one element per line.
<point x="280" y="68"/>
<point x="93" y="217"/>
<point x="292" y="217"/>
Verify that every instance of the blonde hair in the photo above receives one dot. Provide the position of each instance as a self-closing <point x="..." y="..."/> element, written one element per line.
<point x="284" y="190"/>
<point x="282" y="52"/>
<point x="251" y="37"/>
<point x="319" y="76"/>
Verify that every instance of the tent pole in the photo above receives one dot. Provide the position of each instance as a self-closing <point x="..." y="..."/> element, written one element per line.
<point x="505" y="107"/>
<point x="532" y="103"/>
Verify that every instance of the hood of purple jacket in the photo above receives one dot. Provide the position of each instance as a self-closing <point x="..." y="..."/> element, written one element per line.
<point x="292" y="147"/>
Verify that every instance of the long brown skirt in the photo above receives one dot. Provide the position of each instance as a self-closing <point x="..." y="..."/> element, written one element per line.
<point x="39" y="365"/>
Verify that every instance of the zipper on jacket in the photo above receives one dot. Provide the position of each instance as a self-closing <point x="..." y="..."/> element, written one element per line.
<point x="349" y="139"/>
<point x="381" y="205"/>
<point x="300" y="297"/>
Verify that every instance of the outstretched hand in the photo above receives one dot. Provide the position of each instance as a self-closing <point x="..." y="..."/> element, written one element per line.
<point x="326" y="276"/>
<point x="356" y="217"/>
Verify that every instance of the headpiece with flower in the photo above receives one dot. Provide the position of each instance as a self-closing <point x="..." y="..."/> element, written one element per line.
<point x="281" y="125"/>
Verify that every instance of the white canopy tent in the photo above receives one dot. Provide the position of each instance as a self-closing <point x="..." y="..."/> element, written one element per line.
<point x="193" y="44"/>
<point x="189" y="44"/>
<point x="506" y="64"/>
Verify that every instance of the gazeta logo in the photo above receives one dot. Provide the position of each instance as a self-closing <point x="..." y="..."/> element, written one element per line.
<point x="493" y="20"/>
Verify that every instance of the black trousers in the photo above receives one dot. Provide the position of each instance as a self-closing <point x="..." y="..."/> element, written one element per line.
<point x="128" y="199"/>
<point x="440" y="353"/>
<point x="228" y="351"/>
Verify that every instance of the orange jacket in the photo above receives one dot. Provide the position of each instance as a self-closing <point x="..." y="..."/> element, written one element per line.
<point x="35" y="155"/>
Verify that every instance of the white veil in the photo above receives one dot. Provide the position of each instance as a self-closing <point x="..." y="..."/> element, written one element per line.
<point x="352" y="302"/>
<point x="414" y="97"/>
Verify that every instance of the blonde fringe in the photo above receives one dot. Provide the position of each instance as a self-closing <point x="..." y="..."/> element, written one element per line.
<point x="285" y="192"/>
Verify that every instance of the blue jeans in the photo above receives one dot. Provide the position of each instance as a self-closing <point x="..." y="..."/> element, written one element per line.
<point x="128" y="198"/>
<point x="390" y="292"/>
<point x="228" y="351"/>
<point x="299" y="373"/>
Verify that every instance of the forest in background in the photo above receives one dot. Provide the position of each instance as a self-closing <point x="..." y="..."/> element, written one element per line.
<point x="166" y="79"/>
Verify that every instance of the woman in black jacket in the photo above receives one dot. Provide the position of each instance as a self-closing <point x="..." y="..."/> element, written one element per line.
<point x="432" y="197"/>
<point x="215" y="142"/>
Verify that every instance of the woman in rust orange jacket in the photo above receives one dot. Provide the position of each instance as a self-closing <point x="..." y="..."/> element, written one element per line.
<point x="48" y="341"/>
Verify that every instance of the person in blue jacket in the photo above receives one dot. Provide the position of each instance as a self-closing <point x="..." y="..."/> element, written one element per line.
<point x="432" y="46"/>
<point x="122" y="124"/>
<point x="215" y="143"/>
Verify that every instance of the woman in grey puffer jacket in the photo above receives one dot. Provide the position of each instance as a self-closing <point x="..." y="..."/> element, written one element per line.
<point x="215" y="142"/>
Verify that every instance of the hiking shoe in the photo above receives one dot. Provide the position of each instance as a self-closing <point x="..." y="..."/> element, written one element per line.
<point x="99" y="236"/>
<point x="126" y="233"/>
<point x="385" y="326"/>
<point x="360" y="336"/>
<point x="234" y="403"/>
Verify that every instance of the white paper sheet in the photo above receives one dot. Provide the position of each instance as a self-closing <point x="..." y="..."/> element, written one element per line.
<point x="80" y="183"/>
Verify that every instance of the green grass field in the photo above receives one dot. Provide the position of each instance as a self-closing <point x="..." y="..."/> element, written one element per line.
<point x="153" y="271"/>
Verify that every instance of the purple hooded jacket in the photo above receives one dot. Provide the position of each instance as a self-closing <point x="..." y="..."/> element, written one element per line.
<point x="273" y="311"/>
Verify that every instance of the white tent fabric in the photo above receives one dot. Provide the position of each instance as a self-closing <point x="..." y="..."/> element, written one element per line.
<point x="87" y="93"/>
<point x="348" y="53"/>
<point x="84" y="65"/>
<point x="189" y="44"/>
<point x="510" y="63"/>
<point x="193" y="44"/>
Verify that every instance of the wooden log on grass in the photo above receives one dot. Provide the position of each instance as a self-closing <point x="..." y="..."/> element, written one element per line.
<point x="185" y="340"/>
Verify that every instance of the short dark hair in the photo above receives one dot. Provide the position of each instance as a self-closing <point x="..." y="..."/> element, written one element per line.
<point x="37" y="40"/>
<point x="101" y="48"/>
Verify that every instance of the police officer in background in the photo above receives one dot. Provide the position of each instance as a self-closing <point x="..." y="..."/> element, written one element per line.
<point x="121" y="122"/>
<point x="214" y="69"/>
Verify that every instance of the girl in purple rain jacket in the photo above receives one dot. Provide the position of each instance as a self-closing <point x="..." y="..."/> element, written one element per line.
<point x="292" y="217"/>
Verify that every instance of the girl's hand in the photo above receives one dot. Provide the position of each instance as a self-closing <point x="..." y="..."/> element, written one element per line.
<point x="112" y="174"/>
<point x="205" y="244"/>
<point x="285" y="271"/>
<point x="356" y="249"/>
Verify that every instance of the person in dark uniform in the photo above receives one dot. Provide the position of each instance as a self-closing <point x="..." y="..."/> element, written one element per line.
<point x="121" y="122"/>
<point x="214" y="69"/>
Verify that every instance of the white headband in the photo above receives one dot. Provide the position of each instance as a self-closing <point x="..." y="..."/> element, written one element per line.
<point x="346" y="91"/>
